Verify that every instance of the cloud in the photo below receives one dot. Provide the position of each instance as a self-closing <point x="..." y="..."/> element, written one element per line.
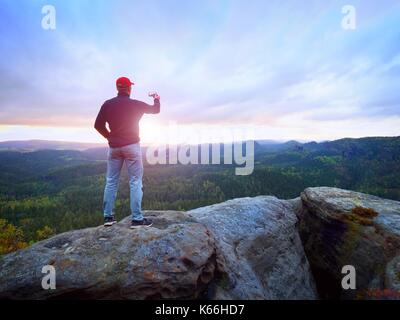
<point x="222" y="62"/>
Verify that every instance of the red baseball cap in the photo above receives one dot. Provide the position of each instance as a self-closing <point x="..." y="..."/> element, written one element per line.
<point x="124" y="82"/>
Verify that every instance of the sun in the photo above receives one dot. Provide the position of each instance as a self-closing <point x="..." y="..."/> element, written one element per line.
<point x="152" y="132"/>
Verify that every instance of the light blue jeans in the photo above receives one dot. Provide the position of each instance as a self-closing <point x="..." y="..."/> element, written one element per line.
<point x="132" y="156"/>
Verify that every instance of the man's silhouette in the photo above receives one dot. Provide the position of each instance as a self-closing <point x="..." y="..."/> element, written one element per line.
<point x="123" y="115"/>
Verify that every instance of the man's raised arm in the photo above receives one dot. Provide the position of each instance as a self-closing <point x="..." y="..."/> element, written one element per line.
<point x="100" y="123"/>
<point x="148" y="108"/>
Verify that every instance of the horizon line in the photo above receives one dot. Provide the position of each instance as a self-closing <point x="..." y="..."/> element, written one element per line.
<point x="147" y="143"/>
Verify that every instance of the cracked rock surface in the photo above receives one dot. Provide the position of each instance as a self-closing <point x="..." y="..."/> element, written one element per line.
<point x="175" y="258"/>
<point x="246" y="248"/>
<point x="259" y="249"/>
<point x="341" y="227"/>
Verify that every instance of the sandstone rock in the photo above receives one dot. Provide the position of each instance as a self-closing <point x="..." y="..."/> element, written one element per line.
<point x="247" y="248"/>
<point x="259" y="252"/>
<point x="392" y="277"/>
<point x="340" y="227"/>
<point x="175" y="258"/>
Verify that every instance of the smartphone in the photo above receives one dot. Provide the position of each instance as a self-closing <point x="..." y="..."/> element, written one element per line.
<point x="152" y="94"/>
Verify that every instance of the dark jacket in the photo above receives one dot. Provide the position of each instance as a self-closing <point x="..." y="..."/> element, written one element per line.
<point x="123" y="115"/>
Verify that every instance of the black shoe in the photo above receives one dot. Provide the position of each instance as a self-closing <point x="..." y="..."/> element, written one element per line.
<point x="143" y="223"/>
<point x="109" y="221"/>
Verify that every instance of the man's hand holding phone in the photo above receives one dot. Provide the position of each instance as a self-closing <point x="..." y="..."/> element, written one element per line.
<point x="154" y="95"/>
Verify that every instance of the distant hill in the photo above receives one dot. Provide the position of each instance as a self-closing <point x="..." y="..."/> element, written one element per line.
<point x="63" y="189"/>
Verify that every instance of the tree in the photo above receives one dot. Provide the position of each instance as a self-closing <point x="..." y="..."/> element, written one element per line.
<point x="44" y="233"/>
<point x="11" y="238"/>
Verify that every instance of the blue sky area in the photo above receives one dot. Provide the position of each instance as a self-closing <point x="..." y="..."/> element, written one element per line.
<point x="278" y="69"/>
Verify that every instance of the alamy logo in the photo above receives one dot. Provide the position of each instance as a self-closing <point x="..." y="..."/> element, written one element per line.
<point x="349" y="21"/>
<point x="205" y="154"/>
<point x="49" y="280"/>
<point x="49" y="18"/>
<point x="238" y="150"/>
<point x="349" y="280"/>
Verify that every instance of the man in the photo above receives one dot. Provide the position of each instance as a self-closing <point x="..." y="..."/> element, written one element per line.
<point x="123" y="115"/>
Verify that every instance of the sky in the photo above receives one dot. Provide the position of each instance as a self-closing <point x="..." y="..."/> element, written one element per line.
<point x="255" y="69"/>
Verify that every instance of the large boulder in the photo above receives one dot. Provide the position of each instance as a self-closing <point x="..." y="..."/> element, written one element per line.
<point x="175" y="258"/>
<point x="242" y="249"/>
<point x="340" y="227"/>
<point x="259" y="252"/>
<point x="247" y="248"/>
